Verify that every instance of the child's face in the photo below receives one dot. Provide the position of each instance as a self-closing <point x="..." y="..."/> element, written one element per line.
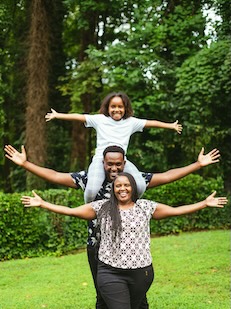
<point x="116" y="109"/>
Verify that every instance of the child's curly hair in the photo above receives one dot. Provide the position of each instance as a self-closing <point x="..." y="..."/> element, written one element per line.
<point x="126" y="101"/>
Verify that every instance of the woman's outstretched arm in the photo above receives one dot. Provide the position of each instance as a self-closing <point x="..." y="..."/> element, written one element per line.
<point x="164" y="211"/>
<point x="83" y="212"/>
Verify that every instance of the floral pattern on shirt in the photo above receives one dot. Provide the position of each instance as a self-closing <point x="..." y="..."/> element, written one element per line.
<point x="131" y="249"/>
<point x="80" y="179"/>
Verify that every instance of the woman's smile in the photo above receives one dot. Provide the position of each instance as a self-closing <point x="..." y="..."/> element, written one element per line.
<point x="123" y="190"/>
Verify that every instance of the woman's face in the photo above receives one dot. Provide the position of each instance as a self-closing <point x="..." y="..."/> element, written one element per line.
<point x="123" y="190"/>
<point x="116" y="109"/>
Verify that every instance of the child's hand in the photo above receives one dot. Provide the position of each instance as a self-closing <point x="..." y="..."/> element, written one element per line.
<point x="29" y="201"/>
<point x="213" y="201"/>
<point x="177" y="127"/>
<point x="52" y="115"/>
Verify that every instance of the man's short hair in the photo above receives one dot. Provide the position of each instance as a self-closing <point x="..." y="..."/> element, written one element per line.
<point x="113" y="149"/>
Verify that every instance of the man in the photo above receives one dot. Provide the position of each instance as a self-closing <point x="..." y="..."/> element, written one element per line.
<point x="113" y="164"/>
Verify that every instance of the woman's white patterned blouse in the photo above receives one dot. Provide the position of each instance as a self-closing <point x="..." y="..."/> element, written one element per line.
<point x="131" y="249"/>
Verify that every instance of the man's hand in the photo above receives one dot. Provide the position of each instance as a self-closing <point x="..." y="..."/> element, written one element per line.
<point x="52" y="115"/>
<point x="29" y="201"/>
<point x="213" y="201"/>
<point x="15" y="156"/>
<point x="211" y="157"/>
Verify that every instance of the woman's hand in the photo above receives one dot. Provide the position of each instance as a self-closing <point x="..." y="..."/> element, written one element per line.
<point x="212" y="201"/>
<point x="29" y="201"/>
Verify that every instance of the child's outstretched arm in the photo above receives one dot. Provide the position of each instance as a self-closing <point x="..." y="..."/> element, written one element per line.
<point x="164" y="125"/>
<point x="53" y="114"/>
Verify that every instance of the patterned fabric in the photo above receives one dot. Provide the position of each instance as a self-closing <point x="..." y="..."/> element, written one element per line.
<point x="131" y="248"/>
<point x="80" y="179"/>
<point x="97" y="176"/>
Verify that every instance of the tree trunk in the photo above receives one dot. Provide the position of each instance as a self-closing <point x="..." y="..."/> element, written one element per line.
<point x="37" y="87"/>
<point x="80" y="136"/>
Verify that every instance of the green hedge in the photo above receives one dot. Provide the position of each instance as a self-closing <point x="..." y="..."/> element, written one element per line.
<point x="190" y="190"/>
<point x="29" y="232"/>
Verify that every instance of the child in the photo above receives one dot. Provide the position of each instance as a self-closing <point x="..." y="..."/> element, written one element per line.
<point x="114" y="125"/>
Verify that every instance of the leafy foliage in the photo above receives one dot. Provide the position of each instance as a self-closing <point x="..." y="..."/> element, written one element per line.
<point x="189" y="190"/>
<point x="32" y="232"/>
<point x="203" y="91"/>
<point x="155" y="51"/>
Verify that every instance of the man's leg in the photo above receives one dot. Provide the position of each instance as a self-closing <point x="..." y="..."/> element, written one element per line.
<point x="92" y="260"/>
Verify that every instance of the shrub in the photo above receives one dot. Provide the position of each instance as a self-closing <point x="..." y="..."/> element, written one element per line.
<point x="190" y="190"/>
<point x="28" y="232"/>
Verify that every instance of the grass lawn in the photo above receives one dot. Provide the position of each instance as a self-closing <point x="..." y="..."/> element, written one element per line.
<point x="192" y="271"/>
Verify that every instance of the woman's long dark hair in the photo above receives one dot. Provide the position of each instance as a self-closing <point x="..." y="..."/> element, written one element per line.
<point x="126" y="101"/>
<point x="110" y="207"/>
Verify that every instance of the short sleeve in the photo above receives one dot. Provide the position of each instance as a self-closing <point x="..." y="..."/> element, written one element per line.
<point x="152" y="207"/>
<point x="147" y="177"/>
<point x="92" y="121"/>
<point x="138" y="124"/>
<point x="97" y="205"/>
<point x="147" y="206"/>
<point x="80" y="179"/>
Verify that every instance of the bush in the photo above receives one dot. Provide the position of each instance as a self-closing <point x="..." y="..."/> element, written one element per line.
<point x="190" y="190"/>
<point x="30" y="232"/>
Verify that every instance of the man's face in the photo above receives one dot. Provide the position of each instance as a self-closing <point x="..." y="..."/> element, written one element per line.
<point x="113" y="164"/>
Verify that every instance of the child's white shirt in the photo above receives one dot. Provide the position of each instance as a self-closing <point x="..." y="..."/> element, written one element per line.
<point x="111" y="132"/>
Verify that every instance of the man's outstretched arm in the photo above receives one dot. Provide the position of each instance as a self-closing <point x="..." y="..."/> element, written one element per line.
<point x="178" y="173"/>
<point x="20" y="158"/>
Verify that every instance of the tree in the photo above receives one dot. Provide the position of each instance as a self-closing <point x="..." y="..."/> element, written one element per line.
<point x="13" y="25"/>
<point x="87" y="49"/>
<point x="89" y="24"/>
<point x="37" y="85"/>
<point x="153" y="42"/>
<point x="203" y="92"/>
<point x="45" y="62"/>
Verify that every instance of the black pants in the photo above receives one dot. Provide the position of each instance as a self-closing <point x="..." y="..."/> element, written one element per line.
<point x="100" y="303"/>
<point x="123" y="288"/>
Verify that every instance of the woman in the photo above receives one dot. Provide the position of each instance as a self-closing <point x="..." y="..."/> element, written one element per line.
<point x="125" y="270"/>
